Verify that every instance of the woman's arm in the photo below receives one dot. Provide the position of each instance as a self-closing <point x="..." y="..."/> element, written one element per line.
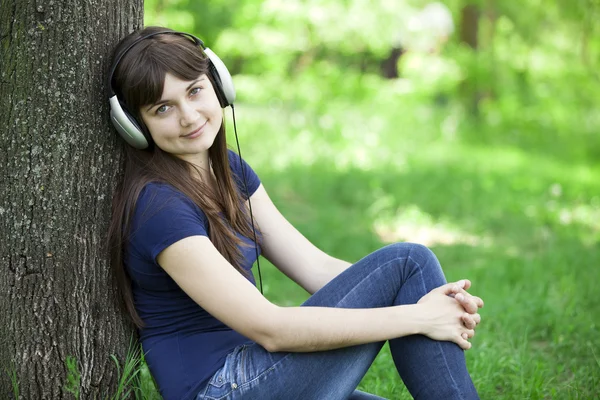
<point x="301" y="260"/>
<point x="206" y="276"/>
<point x="333" y="266"/>
<point x="289" y="250"/>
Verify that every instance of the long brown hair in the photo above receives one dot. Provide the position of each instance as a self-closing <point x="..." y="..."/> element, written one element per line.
<point x="138" y="81"/>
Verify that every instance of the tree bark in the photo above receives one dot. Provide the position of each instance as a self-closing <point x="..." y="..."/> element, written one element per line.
<point x="469" y="25"/>
<point x="469" y="34"/>
<point x="59" y="163"/>
<point x="389" y="66"/>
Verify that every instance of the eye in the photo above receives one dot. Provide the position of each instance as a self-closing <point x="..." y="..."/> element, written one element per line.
<point x="162" y="109"/>
<point x="195" y="91"/>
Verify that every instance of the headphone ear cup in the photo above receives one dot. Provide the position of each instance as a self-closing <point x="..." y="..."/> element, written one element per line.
<point x="218" y="85"/>
<point x="222" y="77"/>
<point x="126" y="125"/>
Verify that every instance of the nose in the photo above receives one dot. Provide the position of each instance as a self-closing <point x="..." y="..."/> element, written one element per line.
<point x="188" y="114"/>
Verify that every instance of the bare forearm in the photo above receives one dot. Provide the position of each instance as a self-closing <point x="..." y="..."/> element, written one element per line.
<point x="305" y="329"/>
<point x="330" y="268"/>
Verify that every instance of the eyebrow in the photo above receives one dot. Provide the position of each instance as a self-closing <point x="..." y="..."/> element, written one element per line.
<point x="161" y="102"/>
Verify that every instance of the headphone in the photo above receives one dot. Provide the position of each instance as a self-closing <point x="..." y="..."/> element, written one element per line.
<point x="127" y="126"/>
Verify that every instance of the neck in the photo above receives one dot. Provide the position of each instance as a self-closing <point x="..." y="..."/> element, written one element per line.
<point x="200" y="161"/>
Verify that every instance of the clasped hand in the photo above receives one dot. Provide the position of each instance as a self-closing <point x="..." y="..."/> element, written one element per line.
<point x="451" y="313"/>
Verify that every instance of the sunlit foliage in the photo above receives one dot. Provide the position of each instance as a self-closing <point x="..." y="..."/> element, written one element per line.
<point x="488" y="153"/>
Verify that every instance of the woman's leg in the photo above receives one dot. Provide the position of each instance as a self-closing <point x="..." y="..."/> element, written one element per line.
<point x="251" y="372"/>
<point x="397" y="274"/>
<point x="404" y="272"/>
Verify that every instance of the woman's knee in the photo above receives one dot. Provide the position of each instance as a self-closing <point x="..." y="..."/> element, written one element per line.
<point x="417" y="252"/>
<point x="412" y="256"/>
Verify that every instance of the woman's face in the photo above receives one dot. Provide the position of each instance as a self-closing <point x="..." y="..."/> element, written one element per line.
<point x="186" y="119"/>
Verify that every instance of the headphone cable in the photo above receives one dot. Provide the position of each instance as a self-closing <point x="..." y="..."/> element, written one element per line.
<point x="248" y="197"/>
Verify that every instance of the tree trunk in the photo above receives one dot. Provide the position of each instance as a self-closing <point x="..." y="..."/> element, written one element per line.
<point x="469" y="25"/>
<point x="389" y="66"/>
<point x="469" y="34"/>
<point x="59" y="163"/>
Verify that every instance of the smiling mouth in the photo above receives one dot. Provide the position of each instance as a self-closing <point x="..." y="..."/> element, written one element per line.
<point x="196" y="132"/>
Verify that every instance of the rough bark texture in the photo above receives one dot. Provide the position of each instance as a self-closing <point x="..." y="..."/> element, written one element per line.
<point x="58" y="165"/>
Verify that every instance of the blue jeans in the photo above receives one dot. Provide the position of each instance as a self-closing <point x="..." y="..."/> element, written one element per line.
<point x="397" y="274"/>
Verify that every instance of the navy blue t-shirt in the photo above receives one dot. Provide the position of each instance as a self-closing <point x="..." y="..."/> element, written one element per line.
<point x="184" y="344"/>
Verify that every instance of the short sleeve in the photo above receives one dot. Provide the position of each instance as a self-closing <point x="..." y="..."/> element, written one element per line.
<point x="162" y="217"/>
<point x="252" y="181"/>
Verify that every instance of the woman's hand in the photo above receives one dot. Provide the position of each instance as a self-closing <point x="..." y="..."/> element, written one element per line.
<point x="471" y="304"/>
<point x="446" y="318"/>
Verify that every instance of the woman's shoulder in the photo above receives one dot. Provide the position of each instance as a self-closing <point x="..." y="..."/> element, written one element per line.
<point x="240" y="168"/>
<point x="234" y="159"/>
<point x="163" y="215"/>
<point x="156" y="195"/>
<point x="157" y="190"/>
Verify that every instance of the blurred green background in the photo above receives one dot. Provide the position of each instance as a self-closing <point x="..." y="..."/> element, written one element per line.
<point x="472" y="128"/>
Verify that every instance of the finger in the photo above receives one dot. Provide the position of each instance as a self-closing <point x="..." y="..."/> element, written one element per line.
<point x="468" y="321"/>
<point x="477" y="318"/>
<point x="461" y="287"/>
<point x="449" y="289"/>
<point x="468" y="334"/>
<point x="467" y="302"/>
<point x="463" y="343"/>
<point x="454" y="287"/>
<point x="458" y="287"/>
<point x="465" y="284"/>
<point x="478" y="301"/>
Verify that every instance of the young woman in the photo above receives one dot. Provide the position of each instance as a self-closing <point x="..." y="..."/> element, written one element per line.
<point x="183" y="244"/>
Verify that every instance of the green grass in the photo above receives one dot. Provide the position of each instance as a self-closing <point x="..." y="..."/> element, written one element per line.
<point x="537" y="275"/>
<point x="14" y="381"/>
<point x="73" y="383"/>
<point x="521" y="220"/>
<point x="512" y="205"/>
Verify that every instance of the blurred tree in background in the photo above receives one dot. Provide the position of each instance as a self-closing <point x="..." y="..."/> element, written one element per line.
<point x="521" y="68"/>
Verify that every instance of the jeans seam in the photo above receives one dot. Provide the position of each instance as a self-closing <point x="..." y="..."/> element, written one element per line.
<point x="243" y="363"/>
<point x="448" y="369"/>
<point x="246" y="384"/>
<point x="437" y="342"/>
<point x="206" y="396"/>
<point x="271" y="368"/>
<point x="221" y="371"/>
<point x="369" y="274"/>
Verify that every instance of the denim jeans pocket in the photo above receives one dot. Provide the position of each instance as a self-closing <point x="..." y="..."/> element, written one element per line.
<point x="220" y="386"/>
<point x="229" y="378"/>
<point x="242" y="372"/>
<point x="257" y="373"/>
